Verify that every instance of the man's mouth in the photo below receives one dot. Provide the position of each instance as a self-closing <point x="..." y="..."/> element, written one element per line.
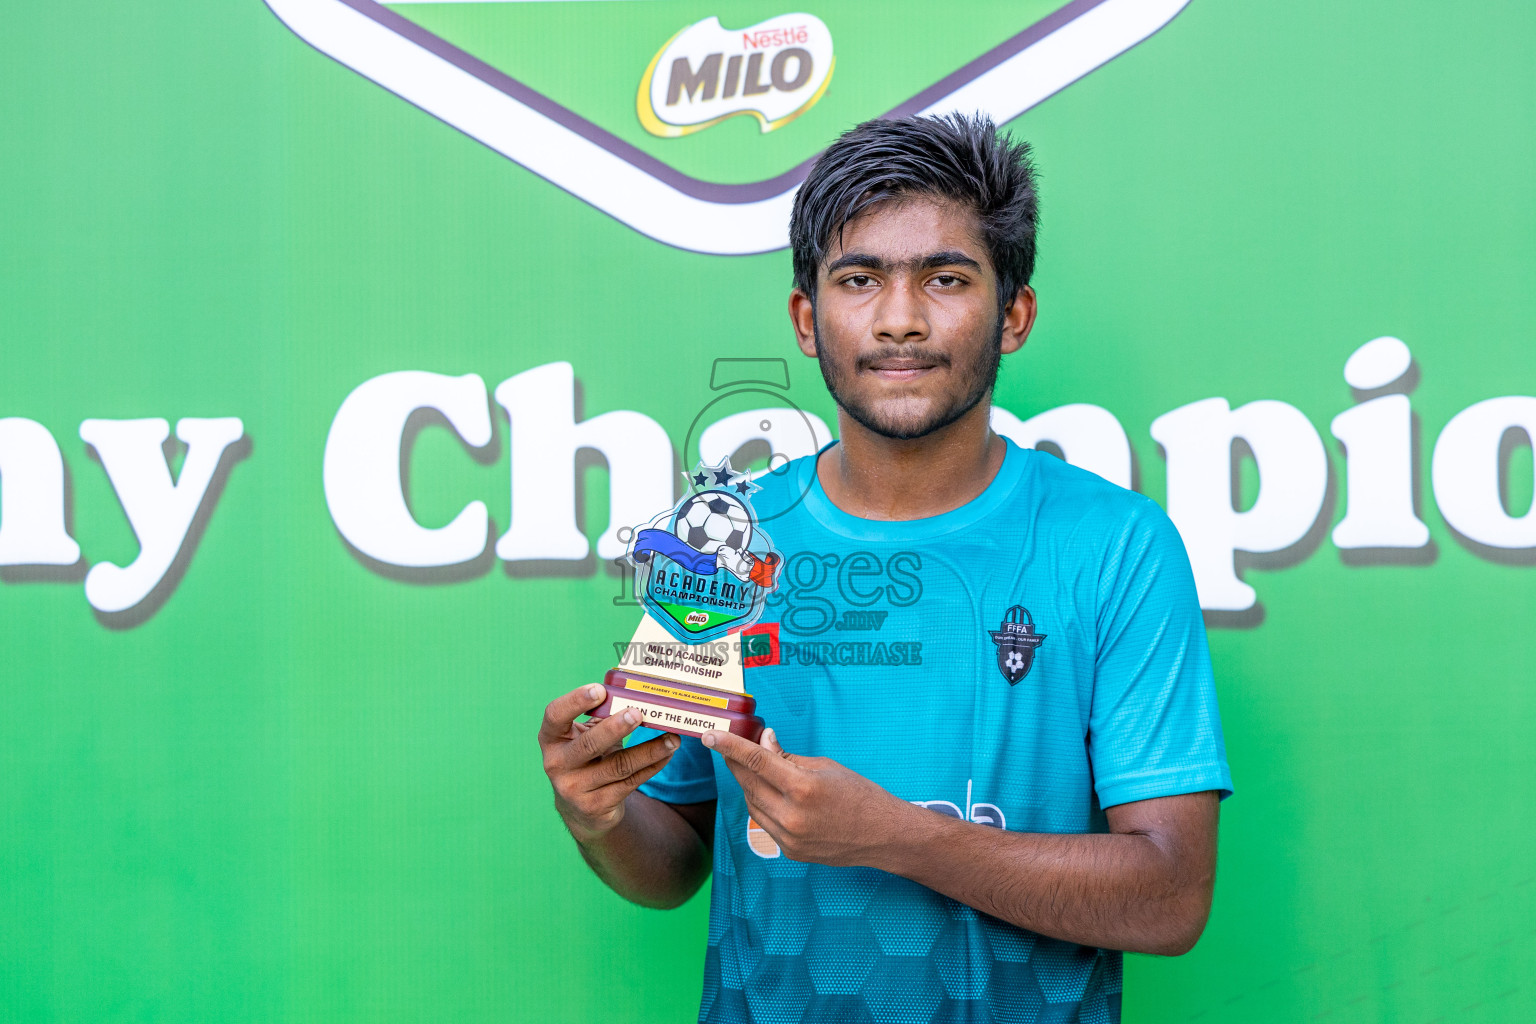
<point x="903" y="369"/>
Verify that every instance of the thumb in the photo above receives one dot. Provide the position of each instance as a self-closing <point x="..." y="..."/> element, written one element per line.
<point x="770" y="742"/>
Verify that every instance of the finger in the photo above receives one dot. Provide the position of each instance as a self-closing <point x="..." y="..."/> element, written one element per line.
<point x="762" y="799"/>
<point x="771" y="744"/>
<point x="621" y="764"/>
<point x="591" y="790"/>
<point x="641" y="777"/>
<point x="563" y="711"/>
<point x="606" y="736"/>
<point x="736" y="750"/>
<point x="767" y="822"/>
<point x="616" y="792"/>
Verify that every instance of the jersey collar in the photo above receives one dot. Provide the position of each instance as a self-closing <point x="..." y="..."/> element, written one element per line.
<point x="853" y="527"/>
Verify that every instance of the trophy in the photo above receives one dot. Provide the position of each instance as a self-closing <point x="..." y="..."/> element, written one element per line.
<point x="703" y="570"/>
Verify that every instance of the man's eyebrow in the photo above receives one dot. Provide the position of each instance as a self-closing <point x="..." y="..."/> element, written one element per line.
<point x="948" y="258"/>
<point x="869" y="261"/>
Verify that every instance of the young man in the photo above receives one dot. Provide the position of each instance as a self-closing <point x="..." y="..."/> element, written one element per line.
<point x="967" y="828"/>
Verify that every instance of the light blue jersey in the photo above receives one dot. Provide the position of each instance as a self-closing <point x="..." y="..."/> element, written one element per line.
<point x="1022" y="662"/>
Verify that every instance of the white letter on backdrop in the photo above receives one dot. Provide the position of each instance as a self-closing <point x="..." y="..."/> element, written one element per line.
<point x="160" y="511"/>
<point x="32" y="497"/>
<point x="541" y="404"/>
<point x="362" y="468"/>
<point x="1377" y="438"/>
<point x="1465" y="472"/>
<point x="790" y="433"/>
<point x="1293" y="479"/>
<point x="1089" y="437"/>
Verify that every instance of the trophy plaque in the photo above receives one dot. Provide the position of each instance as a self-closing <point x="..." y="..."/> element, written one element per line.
<point x="703" y="571"/>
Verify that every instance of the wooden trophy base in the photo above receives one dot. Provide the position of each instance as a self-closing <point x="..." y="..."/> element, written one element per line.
<point x="684" y="708"/>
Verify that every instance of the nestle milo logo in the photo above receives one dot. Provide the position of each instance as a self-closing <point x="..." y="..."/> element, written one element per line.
<point x="505" y="72"/>
<point x="774" y="70"/>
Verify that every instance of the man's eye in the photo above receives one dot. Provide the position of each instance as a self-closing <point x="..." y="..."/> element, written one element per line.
<point x="946" y="281"/>
<point x="859" y="280"/>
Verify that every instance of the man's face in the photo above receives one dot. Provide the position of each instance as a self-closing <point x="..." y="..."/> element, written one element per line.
<point x="906" y="324"/>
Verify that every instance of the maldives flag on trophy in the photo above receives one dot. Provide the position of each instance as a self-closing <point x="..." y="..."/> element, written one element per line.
<point x="760" y="645"/>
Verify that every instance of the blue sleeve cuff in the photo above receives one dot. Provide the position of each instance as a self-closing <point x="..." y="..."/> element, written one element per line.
<point x="697" y="791"/>
<point x="1166" y="782"/>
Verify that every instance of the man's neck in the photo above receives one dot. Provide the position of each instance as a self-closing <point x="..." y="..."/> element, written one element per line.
<point x="876" y="477"/>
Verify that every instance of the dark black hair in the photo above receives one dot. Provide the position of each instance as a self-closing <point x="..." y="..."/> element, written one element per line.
<point x="955" y="157"/>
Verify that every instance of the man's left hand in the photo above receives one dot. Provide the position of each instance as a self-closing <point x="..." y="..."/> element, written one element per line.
<point x="814" y="808"/>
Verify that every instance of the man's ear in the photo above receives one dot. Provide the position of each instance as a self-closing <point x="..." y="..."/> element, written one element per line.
<point x="1018" y="318"/>
<point x="802" y="315"/>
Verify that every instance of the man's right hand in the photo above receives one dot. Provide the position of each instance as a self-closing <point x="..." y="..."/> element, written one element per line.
<point x="588" y="765"/>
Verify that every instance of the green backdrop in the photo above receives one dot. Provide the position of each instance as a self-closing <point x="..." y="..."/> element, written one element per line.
<point x="302" y="789"/>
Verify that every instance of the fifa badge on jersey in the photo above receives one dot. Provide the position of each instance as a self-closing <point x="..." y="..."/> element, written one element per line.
<point x="1016" y="642"/>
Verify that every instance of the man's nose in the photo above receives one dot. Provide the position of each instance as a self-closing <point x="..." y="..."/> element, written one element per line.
<point x="899" y="312"/>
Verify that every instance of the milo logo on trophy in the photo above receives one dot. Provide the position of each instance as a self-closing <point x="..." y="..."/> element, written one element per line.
<point x="702" y="572"/>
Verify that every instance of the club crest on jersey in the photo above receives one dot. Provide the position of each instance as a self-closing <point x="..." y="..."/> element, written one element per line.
<point x="1016" y="642"/>
<point x="704" y="568"/>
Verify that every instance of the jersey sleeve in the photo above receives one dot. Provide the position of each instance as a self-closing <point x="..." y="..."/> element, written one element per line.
<point x="1153" y="725"/>
<point x="689" y="778"/>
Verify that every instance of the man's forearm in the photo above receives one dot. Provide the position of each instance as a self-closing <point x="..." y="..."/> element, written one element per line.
<point x="1118" y="891"/>
<point x="1145" y="886"/>
<point x="653" y="857"/>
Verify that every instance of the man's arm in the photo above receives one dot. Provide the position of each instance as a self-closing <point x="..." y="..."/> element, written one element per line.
<point x="1144" y="887"/>
<point x="652" y="853"/>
